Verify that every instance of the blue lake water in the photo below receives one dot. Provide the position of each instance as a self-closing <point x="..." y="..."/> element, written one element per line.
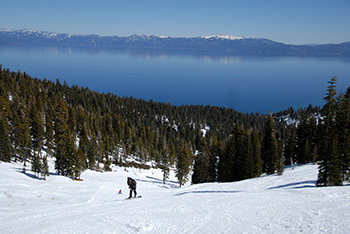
<point x="247" y="84"/>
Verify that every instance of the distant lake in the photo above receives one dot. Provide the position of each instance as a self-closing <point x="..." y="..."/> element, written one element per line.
<point x="246" y="84"/>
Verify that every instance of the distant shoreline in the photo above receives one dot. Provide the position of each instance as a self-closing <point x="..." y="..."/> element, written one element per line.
<point x="239" y="46"/>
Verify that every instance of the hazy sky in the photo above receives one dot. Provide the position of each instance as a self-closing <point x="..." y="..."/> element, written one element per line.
<point x="294" y="21"/>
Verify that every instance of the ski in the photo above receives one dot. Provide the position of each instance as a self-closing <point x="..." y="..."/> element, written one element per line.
<point x="129" y="198"/>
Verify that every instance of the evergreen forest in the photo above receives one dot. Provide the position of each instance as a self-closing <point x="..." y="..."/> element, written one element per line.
<point x="82" y="129"/>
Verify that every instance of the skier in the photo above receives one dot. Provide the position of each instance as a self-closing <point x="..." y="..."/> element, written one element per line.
<point x="132" y="186"/>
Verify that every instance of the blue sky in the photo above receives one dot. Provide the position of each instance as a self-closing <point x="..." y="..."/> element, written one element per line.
<point x="294" y="21"/>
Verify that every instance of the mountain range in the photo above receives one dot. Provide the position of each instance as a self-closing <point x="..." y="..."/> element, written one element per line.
<point x="218" y="44"/>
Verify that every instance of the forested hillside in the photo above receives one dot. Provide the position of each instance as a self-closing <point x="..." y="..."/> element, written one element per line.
<point x="83" y="129"/>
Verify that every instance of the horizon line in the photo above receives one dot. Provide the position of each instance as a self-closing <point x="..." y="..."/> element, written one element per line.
<point x="223" y="36"/>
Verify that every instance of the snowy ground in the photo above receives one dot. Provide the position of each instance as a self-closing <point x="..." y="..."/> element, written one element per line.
<point x="272" y="204"/>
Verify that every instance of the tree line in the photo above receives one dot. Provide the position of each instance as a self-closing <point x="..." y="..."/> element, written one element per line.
<point x="316" y="135"/>
<point x="82" y="129"/>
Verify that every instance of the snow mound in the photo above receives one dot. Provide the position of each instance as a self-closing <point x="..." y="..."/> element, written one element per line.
<point x="270" y="204"/>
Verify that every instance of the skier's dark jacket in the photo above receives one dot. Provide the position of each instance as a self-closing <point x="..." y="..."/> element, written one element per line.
<point x="131" y="183"/>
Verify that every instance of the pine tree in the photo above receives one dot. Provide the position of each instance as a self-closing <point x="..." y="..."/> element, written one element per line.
<point x="214" y="154"/>
<point x="226" y="161"/>
<point x="92" y="152"/>
<point x="48" y="135"/>
<point x="201" y="163"/>
<point x="5" y="144"/>
<point x="346" y="139"/>
<point x="343" y="132"/>
<point x="269" y="148"/>
<point x="289" y="149"/>
<point x="65" y="151"/>
<point x="60" y="129"/>
<point x="236" y="162"/>
<point x="45" y="168"/>
<point x="329" y="164"/>
<point x="72" y="120"/>
<point x="107" y="164"/>
<point x="166" y="172"/>
<point x="305" y="141"/>
<point x="255" y="151"/>
<point x="242" y="163"/>
<point x="165" y="167"/>
<point x="183" y="163"/>
<point x="36" y="164"/>
<point x="14" y="132"/>
<point x="200" y="168"/>
<point x="70" y="159"/>
<point x="313" y="139"/>
<point x="36" y="128"/>
<point x="280" y="158"/>
<point x="302" y="146"/>
<point x="24" y="130"/>
<point x="20" y="132"/>
<point x="80" y="164"/>
<point x="84" y="140"/>
<point x="5" y="141"/>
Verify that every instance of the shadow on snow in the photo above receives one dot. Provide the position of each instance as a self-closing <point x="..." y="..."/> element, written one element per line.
<point x="207" y="191"/>
<point x="302" y="184"/>
<point x="30" y="175"/>
<point x="154" y="180"/>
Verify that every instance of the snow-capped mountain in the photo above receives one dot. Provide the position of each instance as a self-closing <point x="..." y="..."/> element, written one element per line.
<point x="223" y="37"/>
<point x="223" y="44"/>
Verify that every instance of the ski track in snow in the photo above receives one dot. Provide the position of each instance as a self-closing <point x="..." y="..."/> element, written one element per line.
<point x="93" y="197"/>
<point x="269" y="204"/>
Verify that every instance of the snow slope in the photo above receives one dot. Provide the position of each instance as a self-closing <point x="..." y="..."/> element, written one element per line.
<point x="271" y="204"/>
